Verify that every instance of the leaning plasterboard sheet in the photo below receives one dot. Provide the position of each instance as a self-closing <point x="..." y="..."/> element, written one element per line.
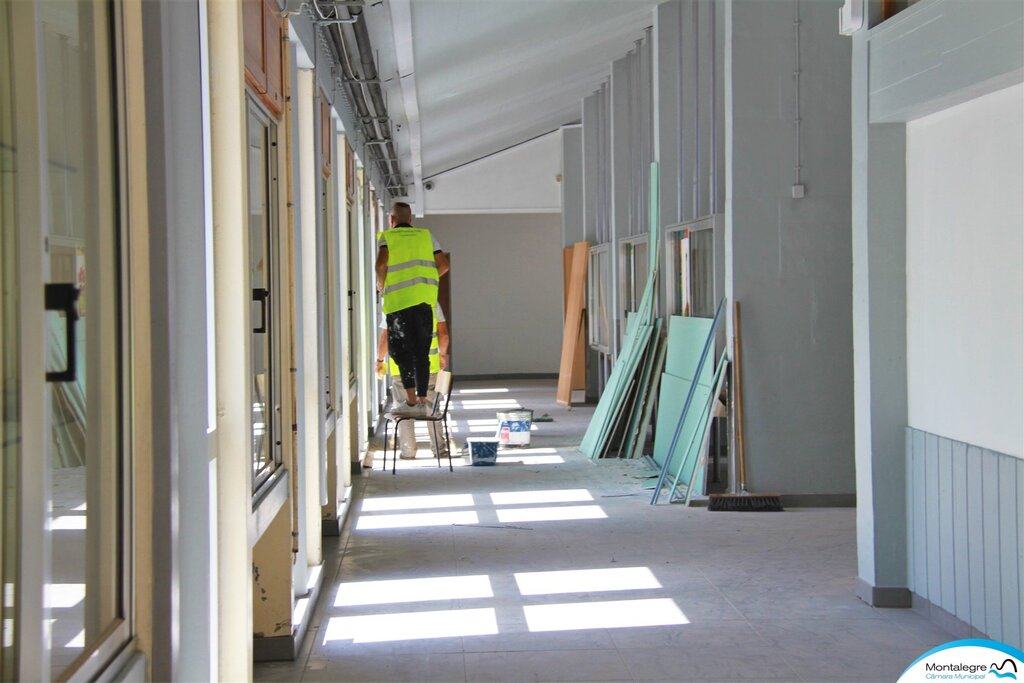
<point x="636" y="425"/>
<point x="610" y="402"/>
<point x="670" y="408"/>
<point x="686" y="337"/>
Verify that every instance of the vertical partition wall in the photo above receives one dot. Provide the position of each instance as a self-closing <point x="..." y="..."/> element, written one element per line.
<point x="744" y="106"/>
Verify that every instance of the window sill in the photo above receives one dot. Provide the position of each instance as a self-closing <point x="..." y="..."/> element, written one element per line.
<point x="267" y="501"/>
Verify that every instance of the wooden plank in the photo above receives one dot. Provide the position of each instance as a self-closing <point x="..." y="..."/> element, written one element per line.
<point x="947" y="556"/>
<point x="990" y="519"/>
<point x="919" y="515"/>
<point x="579" y="368"/>
<point x="961" y="569"/>
<point x="934" y="535"/>
<point x="976" y="542"/>
<point x="1008" y="551"/>
<point x="573" y="322"/>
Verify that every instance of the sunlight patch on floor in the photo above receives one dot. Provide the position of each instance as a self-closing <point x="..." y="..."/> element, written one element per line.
<point x="417" y="520"/>
<point x="388" y="592"/>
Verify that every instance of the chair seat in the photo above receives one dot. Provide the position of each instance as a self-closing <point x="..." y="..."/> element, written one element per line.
<point x="395" y="417"/>
<point x="439" y="414"/>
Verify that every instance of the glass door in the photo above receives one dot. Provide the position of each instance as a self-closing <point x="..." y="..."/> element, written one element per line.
<point x="263" y="277"/>
<point x="83" y="328"/>
<point x="65" y="461"/>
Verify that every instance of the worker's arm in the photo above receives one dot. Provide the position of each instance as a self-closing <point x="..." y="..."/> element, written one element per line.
<point x="381" y="267"/>
<point x="442" y="263"/>
<point x="442" y="344"/>
<point x="382" y="350"/>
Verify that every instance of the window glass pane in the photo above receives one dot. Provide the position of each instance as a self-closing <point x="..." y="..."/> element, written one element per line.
<point x="326" y="292"/>
<point x="353" y="274"/>
<point x="679" y="247"/>
<point x="85" y="445"/>
<point x="262" y="277"/>
<point x="702" y="273"/>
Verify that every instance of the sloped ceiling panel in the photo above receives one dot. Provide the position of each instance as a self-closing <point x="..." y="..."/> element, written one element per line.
<point x="493" y="73"/>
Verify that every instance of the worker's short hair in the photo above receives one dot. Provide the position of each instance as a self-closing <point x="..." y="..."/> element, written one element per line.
<point x="401" y="211"/>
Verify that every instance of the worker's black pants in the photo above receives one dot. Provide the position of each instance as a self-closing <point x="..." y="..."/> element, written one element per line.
<point x="409" y="334"/>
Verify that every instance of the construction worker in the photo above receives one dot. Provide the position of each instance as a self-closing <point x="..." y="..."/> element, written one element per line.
<point x="438" y="361"/>
<point x="409" y="267"/>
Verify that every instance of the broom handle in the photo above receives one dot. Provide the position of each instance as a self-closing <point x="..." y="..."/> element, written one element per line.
<point x="738" y="376"/>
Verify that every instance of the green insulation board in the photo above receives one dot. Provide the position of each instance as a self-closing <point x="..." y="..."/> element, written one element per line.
<point x="688" y="477"/>
<point x="637" y="425"/>
<point x="686" y="337"/>
<point x="611" y="401"/>
<point x="626" y="369"/>
<point x="686" y="340"/>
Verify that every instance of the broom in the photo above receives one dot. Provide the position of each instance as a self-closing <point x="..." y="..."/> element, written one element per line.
<point x="744" y="501"/>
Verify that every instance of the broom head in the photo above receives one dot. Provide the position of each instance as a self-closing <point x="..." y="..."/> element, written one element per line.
<point x="745" y="502"/>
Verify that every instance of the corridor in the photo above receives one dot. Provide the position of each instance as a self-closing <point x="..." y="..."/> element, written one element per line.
<point x="549" y="567"/>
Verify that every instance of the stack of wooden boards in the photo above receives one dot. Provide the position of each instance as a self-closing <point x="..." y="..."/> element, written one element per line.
<point x="572" y="367"/>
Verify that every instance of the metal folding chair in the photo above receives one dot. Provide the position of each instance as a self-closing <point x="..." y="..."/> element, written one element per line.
<point x="438" y="414"/>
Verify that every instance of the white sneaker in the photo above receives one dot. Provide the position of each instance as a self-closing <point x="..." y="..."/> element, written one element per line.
<point x="417" y="410"/>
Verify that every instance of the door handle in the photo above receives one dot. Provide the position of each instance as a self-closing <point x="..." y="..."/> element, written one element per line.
<point x="261" y="295"/>
<point x="64" y="297"/>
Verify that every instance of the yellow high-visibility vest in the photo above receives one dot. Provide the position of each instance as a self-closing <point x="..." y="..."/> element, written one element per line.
<point x="412" y="277"/>
<point x="435" y="356"/>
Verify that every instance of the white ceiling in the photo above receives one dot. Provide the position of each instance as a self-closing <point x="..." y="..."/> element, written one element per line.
<point x="490" y="74"/>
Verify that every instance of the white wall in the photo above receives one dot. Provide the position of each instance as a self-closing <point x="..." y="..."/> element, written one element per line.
<point x="521" y="179"/>
<point x="506" y="281"/>
<point x="965" y="277"/>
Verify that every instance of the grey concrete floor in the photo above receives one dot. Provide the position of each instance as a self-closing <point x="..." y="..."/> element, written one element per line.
<point x="550" y="567"/>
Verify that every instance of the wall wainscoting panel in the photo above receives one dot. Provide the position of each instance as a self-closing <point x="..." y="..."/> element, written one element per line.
<point x="965" y="532"/>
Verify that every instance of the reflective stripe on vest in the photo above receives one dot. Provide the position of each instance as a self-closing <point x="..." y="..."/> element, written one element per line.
<point x="412" y="277"/>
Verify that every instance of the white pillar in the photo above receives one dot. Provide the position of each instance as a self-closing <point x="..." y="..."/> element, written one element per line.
<point x="309" y="435"/>
<point x="231" y="249"/>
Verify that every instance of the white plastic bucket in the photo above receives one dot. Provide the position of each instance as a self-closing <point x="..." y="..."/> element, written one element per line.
<point x="514" y="427"/>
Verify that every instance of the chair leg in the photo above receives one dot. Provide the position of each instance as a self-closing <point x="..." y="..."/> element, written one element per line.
<point x="394" y="452"/>
<point x="432" y="427"/>
<point x="385" y="466"/>
<point x="447" y="446"/>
